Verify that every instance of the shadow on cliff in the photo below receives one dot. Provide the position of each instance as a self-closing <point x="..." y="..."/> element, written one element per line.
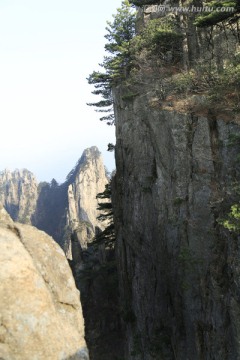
<point x="50" y="213"/>
<point x="96" y="278"/>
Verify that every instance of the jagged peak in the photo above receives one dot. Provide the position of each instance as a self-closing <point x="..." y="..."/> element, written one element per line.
<point x="8" y="174"/>
<point x="90" y="154"/>
<point x="16" y="171"/>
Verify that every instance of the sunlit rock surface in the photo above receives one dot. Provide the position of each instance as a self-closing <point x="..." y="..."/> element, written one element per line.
<point x="40" y="311"/>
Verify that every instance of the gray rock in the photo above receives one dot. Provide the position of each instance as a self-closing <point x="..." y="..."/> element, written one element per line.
<point x="178" y="268"/>
<point x="60" y="210"/>
<point x="18" y="194"/>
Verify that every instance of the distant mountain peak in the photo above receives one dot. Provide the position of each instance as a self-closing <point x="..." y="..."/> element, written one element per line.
<point x="58" y="209"/>
<point x="91" y="153"/>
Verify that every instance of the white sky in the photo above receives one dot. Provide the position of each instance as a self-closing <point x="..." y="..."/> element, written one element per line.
<point x="47" y="49"/>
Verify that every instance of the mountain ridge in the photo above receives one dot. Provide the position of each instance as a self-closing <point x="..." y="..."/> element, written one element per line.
<point x="50" y="206"/>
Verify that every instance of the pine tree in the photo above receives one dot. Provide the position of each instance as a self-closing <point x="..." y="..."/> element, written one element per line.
<point x="107" y="236"/>
<point x="215" y="16"/>
<point x="118" y="62"/>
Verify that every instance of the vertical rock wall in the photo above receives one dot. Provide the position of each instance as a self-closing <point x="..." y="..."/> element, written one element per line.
<point x="178" y="268"/>
<point x="89" y="180"/>
<point x="18" y="194"/>
<point x="176" y="178"/>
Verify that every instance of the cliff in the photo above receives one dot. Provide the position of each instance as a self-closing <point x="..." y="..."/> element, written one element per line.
<point x="176" y="180"/>
<point x="88" y="179"/>
<point x="18" y="194"/>
<point x="41" y="315"/>
<point x="178" y="268"/>
<point x="66" y="211"/>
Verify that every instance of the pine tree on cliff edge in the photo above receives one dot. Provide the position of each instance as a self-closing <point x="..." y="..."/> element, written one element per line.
<point x="117" y="63"/>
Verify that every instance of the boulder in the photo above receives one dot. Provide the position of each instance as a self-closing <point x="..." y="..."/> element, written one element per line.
<point x="40" y="311"/>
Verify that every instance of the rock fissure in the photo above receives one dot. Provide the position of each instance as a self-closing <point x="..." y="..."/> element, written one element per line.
<point x="74" y="307"/>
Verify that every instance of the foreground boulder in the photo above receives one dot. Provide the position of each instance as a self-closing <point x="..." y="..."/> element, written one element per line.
<point x="40" y="312"/>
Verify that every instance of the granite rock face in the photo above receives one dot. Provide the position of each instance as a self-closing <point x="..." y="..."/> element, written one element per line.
<point x="41" y="315"/>
<point x="18" y="194"/>
<point x="177" y="177"/>
<point x="89" y="178"/>
<point x="178" y="267"/>
<point x="67" y="212"/>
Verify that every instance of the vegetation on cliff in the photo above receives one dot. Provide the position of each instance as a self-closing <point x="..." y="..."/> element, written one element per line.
<point x="117" y="63"/>
<point x="97" y="279"/>
<point x="214" y="17"/>
<point x="172" y="184"/>
<point x="107" y="236"/>
<point x="163" y="50"/>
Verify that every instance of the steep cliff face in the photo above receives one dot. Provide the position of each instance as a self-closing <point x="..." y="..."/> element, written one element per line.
<point x="68" y="211"/>
<point x="18" y="194"/>
<point x="97" y="279"/>
<point x="50" y="213"/>
<point x="178" y="268"/>
<point x="88" y="179"/>
<point x="93" y="266"/>
<point x="176" y="178"/>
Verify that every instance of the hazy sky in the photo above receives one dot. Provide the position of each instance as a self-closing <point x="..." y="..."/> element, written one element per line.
<point x="47" y="49"/>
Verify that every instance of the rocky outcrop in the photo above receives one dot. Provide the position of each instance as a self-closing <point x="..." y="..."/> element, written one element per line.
<point x="67" y="212"/>
<point x="177" y="176"/>
<point x="18" y="194"/>
<point x="178" y="267"/>
<point x="89" y="179"/>
<point x="40" y="316"/>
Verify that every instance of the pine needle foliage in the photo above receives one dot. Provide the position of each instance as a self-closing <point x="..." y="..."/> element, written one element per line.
<point x="216" y="16"/>
<point x="107" y="236"/>
<point x="117" y="63"/>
